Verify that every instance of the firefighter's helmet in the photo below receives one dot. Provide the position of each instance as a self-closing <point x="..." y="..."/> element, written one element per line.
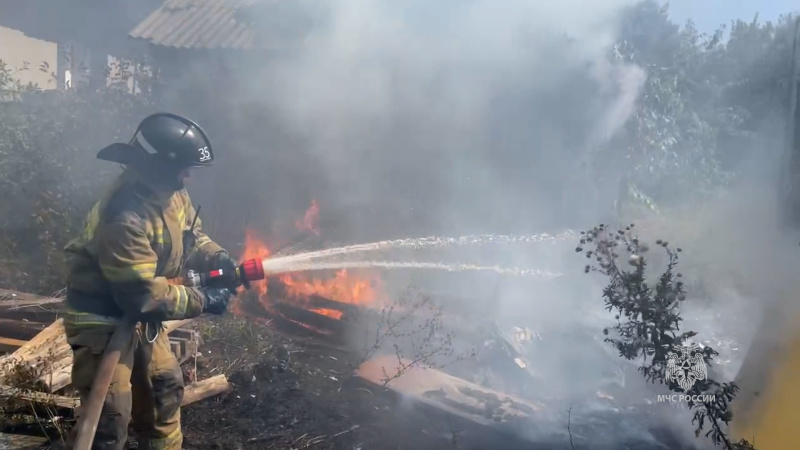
<point x="167" y="139"/>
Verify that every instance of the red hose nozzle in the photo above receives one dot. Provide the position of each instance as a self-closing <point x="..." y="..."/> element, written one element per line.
<point x="251" y="270"/>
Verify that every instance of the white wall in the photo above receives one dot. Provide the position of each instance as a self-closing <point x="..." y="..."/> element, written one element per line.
<point x="16" y="48"/>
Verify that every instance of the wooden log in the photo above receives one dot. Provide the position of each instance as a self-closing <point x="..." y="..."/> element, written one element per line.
<point x="49" y="353"/>
<point x="21" y="329"/>
<point x="194" y="392"/>
<point x="204" y="389"/>
<point x="21" y="441"/>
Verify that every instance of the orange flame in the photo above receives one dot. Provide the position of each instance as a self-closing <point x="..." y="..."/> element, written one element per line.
<point x="310" y="220"/>
<point x="362" y="289"/>
<point x="343" y="287"/>
<point x="254" y="248"/>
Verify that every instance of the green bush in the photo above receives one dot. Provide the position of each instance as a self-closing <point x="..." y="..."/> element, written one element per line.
<point x="47" y="176"/>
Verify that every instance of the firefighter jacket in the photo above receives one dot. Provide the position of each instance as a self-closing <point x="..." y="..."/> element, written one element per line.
<point x="131" y="246"/>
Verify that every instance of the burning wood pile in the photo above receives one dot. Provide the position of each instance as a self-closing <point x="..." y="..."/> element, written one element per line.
<point x="344" y="303"/>
<point x="318" y="304"/>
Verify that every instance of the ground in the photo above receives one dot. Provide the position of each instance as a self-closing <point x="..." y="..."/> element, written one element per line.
<point x="311" y="401"/>
<point x="295" y="390"/>
<point x="289" y="391"/>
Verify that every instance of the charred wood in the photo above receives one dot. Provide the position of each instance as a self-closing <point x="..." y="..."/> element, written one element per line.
<point x="306" y="317"/>
<point x="20" y="329"/>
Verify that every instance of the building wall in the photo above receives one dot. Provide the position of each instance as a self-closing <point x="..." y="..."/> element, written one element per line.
<point x="16" y="48"/>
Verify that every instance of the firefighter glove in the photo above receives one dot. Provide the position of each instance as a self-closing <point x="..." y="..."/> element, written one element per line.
<point x="223" y="261"/>
<point x="216" y="300"/>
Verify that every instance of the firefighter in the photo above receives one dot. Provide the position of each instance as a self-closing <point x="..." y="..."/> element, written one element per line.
<point x="137" y="237"/>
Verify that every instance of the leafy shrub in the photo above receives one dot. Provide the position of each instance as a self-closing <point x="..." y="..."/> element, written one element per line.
<point x="648" y="327"/>
<point x="48" y="175"/>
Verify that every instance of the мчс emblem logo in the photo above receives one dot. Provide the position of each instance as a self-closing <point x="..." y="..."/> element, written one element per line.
<point x="685" y="366"/>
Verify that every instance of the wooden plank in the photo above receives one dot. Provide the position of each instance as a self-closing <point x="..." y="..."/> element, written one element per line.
<point x="194" y="392"/>
<point x="449" y="394"/>
<point x="21" y="441"/>
<point x="49" y="352"/>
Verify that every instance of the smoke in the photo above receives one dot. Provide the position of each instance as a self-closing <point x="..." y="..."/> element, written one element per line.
<point x="419" y="118"/>
<point x="471" y="117"/>
<point x="412" y="118"/>
<point x="448" y="118"/>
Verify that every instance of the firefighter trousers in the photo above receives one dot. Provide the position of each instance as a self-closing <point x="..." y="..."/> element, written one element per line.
<point x="147" y="389"/>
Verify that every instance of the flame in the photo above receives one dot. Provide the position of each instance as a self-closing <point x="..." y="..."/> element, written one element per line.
<point x="361" y="289"/>
<point x="343" y="287"/>
<point x="254" y="248"/>
<point x="310" y="220"/>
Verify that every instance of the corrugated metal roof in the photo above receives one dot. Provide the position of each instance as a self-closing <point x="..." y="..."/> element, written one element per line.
<point x="208" y="24"/>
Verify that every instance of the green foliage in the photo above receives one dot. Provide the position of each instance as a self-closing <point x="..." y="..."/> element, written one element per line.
<point x="708" y="102"/>
<point x="46" y="137"/>
<point x="648" y="322"/>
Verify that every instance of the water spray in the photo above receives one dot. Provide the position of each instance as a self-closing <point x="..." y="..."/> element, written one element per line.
<point x="278" y="265"/>
<point x="429" y="242"/>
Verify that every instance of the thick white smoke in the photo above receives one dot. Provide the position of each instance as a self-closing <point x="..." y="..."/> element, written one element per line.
<point x="467" y="117"/>
<point x="453" y="115"/>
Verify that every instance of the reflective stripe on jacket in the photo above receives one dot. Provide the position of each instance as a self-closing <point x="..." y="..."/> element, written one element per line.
<point x="130" y="247"/>
<point x="76" y="318"/>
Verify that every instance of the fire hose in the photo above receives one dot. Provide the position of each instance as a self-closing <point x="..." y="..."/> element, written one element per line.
<point x="250" y="270"/>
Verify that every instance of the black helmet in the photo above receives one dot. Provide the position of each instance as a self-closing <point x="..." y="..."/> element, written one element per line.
<point x="171" y="140"/>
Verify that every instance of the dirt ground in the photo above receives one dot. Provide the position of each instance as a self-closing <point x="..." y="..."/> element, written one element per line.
<point x="297" y="390"/>
<point x="314" y="401"/>
<point x="309" y="401"/>
<point x="289" y="391"/>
